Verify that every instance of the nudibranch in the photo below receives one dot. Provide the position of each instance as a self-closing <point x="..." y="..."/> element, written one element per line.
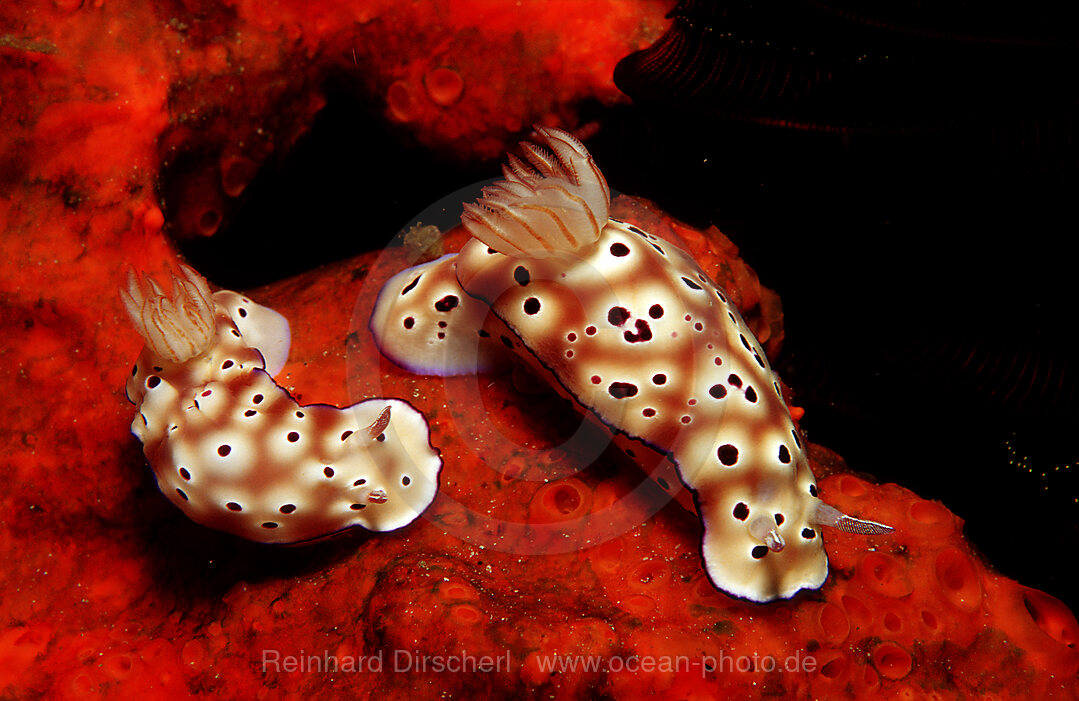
<point x="629" y="327"/>
<point x="233" y="449"/>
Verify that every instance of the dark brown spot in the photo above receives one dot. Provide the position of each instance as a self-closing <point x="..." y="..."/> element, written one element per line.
<point x="269" y="524"/>
<point x="648" y="412"/>
<point x="751" y="395"/>
<point x="406" y="480"/>
<point x="357" y="507"/>
<point x="227" y="364"/>
<point x="257" y="399"/>
<point x="617" y="316"/>
<point x="409" y="322"/>
<point x="759" y="551"/>
<point x="690" y="284"/>
<point x="619" y="249"/>
<point x="741" y="511"/>
<point x="224" y="450"/>
<point x="360" y="482"/>
<point x="734" y="380"/>
<point x="242" y="312"/>
<point x="520" y="274"/>
<point x="299" y="414"/>
<point x="345" y="435"/>
<point x="287" y="508"/>
<point x="644" y="333"/>
<point x="292" y="437"/>
<point x="531" y="306"/>
<point x="622" y="390"/>
<point x="152" y="381"/>
<point x="780" y="518"/>
<point x="233" y="506"/>
<point x="328" y="471"/>
<point x="655" y="311"/>
<point x="784" y="455"/>
<point x="728" y="454"/>
<point x="717" y="391"/>
<point x="181" y="493"/>
<point x="447" y="303"/>
<point x="184" y="473"/>
<point x="590" y="330"/>
<point x="809" y="533"/>
<point x="659" y="378"/>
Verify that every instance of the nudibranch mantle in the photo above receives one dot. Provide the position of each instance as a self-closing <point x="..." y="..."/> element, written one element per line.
<point x="234" y="451"/>
<point x="627" y="325"/>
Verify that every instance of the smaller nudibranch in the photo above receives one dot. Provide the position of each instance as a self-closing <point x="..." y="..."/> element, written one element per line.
<point x="232" y="448"/>
<point x="629" y="327"/>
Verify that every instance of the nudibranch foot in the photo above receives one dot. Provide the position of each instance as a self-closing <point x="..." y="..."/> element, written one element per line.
<point x="628" y="326"/>
<point x="235" y="451"/>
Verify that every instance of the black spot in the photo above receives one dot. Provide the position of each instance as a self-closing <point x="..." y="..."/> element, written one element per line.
<point x="644" y="333"/>
<point x="345" y="435"/>
<point x="741" y="511"/>
<point x="242" y="312"/>
<point x="152" y="381"/>
<point x="406" y="480"/>
<point x="257" y="399"/>
<point x="491" y="251"/>
<point x="655" y="311"/>
<point x="235" y="333"/>
<point x="757" y="357"/>
<point x="759" y="551"/>
<point x="797" y="441"/>
<point x="224" y="450"/>
<point x="158" y="369"/>
<point x="506" y="342"/>
<point x="447" y="303"/>
<point x="441" y="335"/>
<point x="181" y="493"/>
<point x="728" y="454"/>
<point x="360" y="482"/>
<point x="659" y="378"/>
<point x="483" y="334"/>
<point x="328" y="471"/>
<point x="292" y="436"/>
<point x="184" y="473"/>
<point x="135" y="371"/>
<point x="357" y="507"/>
<point x="532" y="306"/>
<point x="269" y="524"/>
<point x="250" y="412"/>
<point x="520" y="274"/>
<point x="734" y="380"/>
<point x="442" y="324"/>
<point x="226" y="365"/>
<point x="780" y="519"/>
<point x="287" y="508"/>
<point x="720" y="295"/>
<point x="809" y="533"/>
<point x="409" y="322"/>
<point x="751" y="395"/>
<point x="622" y="390"/>
<point x="409" y="287"/>
<point x="745" y="342"/>
<point x="813" y="490"/>
<point x="617" y="316"/>
<point x="731" y="315"/>
<point x="663" y="483"/>
<point x="619" y="249"/>
<point x="658" y="249"/>
<point x="299" y="414"/>
<point x="381" y="438"/>
<point x="717" y="391"/>
<point x="784" y="455"/>
<point x="233" y="506"/>
<point x="637" y="231"/>
<point x="690" y="284"/>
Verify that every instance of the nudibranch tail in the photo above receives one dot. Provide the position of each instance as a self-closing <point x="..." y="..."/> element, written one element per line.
<point x="176" y="327"/>
<point x="828" y="515"/>
<point x="554" y="201"/>
<point x="235" y="451"/>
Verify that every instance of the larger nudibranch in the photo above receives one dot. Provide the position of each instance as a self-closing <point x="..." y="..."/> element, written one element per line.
<point x="631" y="328"/>
<point x="236" y="452"/>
